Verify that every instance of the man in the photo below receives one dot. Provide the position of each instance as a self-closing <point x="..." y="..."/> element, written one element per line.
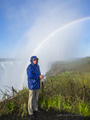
<point x="34" y="77"/>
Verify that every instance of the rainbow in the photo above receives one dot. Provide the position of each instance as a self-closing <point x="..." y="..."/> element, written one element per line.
<point x="52" y="34"/>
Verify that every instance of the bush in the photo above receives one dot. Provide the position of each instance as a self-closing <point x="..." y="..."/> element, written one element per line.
<point x="63" y="92"/>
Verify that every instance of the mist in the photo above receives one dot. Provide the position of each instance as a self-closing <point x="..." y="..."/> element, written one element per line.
<point x="64" y="45"/>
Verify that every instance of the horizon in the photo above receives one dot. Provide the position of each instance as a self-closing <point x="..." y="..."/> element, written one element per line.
<point x="15" y="59"/>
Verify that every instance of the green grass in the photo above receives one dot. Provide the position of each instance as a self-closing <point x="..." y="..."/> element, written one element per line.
<point x="16" y="105"/>
<point x="63" y="92"/>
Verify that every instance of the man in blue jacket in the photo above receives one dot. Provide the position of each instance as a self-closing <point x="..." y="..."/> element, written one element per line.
<point x="34" y="77"/>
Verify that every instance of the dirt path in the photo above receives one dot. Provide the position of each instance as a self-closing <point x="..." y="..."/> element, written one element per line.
<point x="47" y="115"/>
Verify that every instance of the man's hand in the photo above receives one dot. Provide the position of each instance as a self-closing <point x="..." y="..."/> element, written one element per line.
<point x="41" y="77"/>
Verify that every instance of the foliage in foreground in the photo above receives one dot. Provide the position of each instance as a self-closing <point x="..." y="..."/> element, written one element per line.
<point x="63" y="92"/>
<point x="67" y="92"/>
<point x="17" y="104"/>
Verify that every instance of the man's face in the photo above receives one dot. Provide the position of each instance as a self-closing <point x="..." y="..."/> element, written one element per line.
<point x="35" y="61"/>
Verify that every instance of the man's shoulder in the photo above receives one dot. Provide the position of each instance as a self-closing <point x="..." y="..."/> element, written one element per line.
<point x="29" y="66"/>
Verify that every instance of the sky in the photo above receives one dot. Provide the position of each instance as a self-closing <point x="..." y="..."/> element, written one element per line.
<point x="25" y="23"/>
<point x="29" y="25"/>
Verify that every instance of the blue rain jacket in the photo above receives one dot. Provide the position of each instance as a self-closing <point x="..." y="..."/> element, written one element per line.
<point x="33" y="72"/>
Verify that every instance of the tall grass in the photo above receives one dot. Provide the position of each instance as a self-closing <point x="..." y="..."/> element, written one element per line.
<point x="63" y="92"/>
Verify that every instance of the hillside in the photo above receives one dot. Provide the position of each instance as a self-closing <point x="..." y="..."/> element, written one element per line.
<point x="78" y="65"/>
<point x="64" y="96"/>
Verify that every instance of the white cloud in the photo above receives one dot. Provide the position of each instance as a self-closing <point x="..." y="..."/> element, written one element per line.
<point x="64" y="42"/>
<point x="38" y="20"/>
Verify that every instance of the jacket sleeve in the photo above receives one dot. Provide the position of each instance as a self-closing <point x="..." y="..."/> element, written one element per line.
<point x="31" y="74"/>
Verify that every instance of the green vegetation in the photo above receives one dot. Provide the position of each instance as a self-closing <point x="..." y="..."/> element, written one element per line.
<point x="17" y="104"/>
<point x="78" y="65"/>
<point x="67" y="91"/>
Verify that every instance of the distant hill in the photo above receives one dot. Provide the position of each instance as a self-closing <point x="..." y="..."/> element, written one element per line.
<point x="78" y="65"/>
<point x="7" y="59"/>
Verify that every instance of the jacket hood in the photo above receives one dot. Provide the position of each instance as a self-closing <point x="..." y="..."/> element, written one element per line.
<point x="33" y="57"/>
